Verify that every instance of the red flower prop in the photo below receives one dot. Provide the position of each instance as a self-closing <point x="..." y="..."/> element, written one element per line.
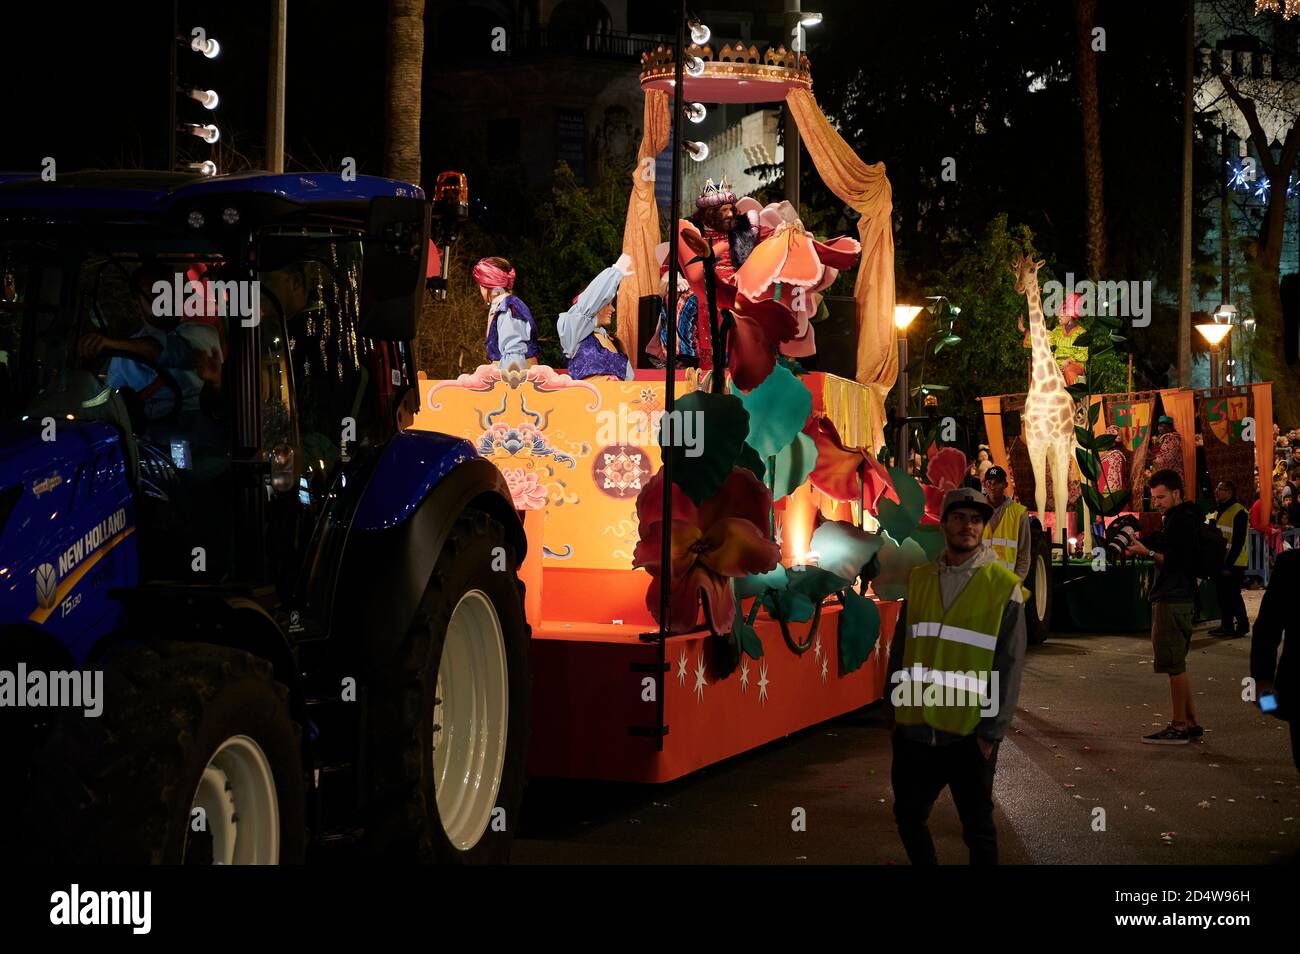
<point x="724" y="537"/>
<point x="760" y="328"/>
<point x="945" y="472"/>
<point x="844" y="472"/>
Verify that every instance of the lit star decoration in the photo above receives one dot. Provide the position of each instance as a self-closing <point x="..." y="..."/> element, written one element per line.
<point x="1237" y="178"/>
<point x="744" y="675"/>
<point x="824" y="668"/>
<point x="817" y="648"/>
<point x="699" y="678"/>
<point x="762" y="682"/>
<point x="681" y="669"/>
<point x="1261" y="190"/>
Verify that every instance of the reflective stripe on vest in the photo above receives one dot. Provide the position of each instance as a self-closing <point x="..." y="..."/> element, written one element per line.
<point x="952" y="648"/>
<point x="1224" y="521"/>
<point x="1004" y="536"/>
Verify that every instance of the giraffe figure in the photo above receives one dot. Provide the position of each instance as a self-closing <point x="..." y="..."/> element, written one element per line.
<point x="1049" y="416"/>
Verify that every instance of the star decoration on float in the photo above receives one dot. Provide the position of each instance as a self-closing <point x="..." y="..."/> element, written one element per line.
<point x="681" y="669"/>
<point x="699" y="678"/>
<point x="825" y="667"/>
<point x="817" y="648"/>
<point x="762" y="682"/>
<point x="744" y="675"/>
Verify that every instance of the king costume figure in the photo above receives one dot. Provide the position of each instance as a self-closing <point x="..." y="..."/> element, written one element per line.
<point x="511" y="331"/>
<point x="584" y="328"/>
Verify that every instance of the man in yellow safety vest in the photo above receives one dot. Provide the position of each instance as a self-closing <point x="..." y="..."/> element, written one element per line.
<point x="1232" y="521"/>
<point x="1007" y="531"/>
<point x="955" y="665"/>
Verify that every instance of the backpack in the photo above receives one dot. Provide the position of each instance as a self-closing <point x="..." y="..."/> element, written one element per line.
<point x="1211" y="551"/>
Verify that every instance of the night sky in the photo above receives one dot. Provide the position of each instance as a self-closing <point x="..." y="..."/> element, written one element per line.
<point x="88" y="84"/>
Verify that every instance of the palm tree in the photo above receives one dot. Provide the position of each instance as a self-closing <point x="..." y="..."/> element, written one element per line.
<point x="402" y="95"/>
<point x="1085" y="12"/>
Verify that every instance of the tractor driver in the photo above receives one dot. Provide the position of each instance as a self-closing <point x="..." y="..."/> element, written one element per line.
<point x="189" y="350"/>
<point x="1007" y="531"/>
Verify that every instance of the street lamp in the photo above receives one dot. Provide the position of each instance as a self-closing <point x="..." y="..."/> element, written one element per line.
<point x="903" y="317"/>
<point x="1214" y="333"/>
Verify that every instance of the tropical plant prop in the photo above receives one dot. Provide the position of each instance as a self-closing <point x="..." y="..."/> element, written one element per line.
<point x="712" y="543"/>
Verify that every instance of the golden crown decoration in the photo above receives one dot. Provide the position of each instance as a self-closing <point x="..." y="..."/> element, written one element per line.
<point x="732" y="61"/>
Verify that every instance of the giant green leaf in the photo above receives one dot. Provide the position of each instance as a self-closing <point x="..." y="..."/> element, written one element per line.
<point x="844" y="549"/>
<point x="778" y="409"/>
<point x="757" y="583"/>
<point x="793" y="465"/>
<point x="1088" y="463"/>
<point x="900" y="519"/>
<point x="859" y="631"/>
<point x="896" y="563"/>
<point x="750" y="460"/>
<point x="712" y="433"/>
<point x="815" y="582"/>
<point x="746" y="636"/>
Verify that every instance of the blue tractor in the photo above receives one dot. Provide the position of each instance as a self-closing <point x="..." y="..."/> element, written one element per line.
<point x="247" y="613"/>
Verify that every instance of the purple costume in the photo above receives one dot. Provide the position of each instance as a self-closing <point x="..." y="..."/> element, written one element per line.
<point x="516" y="339"/>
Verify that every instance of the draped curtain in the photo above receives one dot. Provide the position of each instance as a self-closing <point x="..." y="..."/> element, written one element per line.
<point x="641" y="231"/>
<point x="865" y="189"/>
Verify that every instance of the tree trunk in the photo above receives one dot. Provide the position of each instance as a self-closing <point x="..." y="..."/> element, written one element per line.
<point x="402" y="100"/>
<point x="1085" y="12"/>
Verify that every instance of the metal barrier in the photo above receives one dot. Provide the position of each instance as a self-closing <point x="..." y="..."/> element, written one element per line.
<point x="1260" y="551"/>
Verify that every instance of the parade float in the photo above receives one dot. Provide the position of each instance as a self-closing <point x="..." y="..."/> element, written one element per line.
<point x="754" y="480"/>
<point x="1205" y="435"/>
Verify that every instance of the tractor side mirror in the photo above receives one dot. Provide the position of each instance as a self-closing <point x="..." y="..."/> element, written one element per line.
<point x="395" y="255"/>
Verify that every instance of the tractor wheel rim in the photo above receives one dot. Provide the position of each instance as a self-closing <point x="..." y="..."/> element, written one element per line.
<point x="235" y="804"/>
<point x="473" y="720"/>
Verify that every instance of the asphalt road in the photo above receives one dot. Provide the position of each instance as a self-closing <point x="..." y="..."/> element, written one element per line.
<point x="1074" y="748"/>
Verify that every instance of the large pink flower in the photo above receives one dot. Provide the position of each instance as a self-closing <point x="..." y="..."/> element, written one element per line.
<point x="945" y="472"/>
<point x="724" y="537"/>
<point x="525" y="487"/>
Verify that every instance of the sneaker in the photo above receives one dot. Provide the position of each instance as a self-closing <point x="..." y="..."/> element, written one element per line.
<point x="1195" y="731"/>
<point x="1169" y="735"/>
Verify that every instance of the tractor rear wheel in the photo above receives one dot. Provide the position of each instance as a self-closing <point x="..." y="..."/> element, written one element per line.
<point x="195" y="759"/>
<point x="1038" y="605"/>
<point x="449" y="722"/>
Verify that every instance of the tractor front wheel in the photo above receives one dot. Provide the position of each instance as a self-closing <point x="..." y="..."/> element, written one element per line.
<point x="449" y="722"/>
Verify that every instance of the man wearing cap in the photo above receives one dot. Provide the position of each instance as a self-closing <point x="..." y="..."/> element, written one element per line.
<point x="955" y="667"/>
<point x="1232" y="521"/>
<point x="1007" y="531"/>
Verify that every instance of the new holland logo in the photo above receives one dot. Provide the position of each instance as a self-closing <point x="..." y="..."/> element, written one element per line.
<point x="47" y="582"/>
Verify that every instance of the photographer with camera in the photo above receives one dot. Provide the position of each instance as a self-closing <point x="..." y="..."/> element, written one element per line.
<point x="1172" y="595"/>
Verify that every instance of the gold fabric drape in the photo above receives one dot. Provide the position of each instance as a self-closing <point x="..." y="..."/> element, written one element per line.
<point x="866" y="190"/>
<point x="641" y="231"/>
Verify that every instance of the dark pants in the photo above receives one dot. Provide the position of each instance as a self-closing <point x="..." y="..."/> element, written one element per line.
<point x="921" y="772"/>
<point x="1232" y="608"/>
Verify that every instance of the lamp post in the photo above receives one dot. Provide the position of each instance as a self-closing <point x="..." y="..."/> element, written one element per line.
<point x="796" y="20"/>
<point x="903" y="317"/>
<point x="1214" y="333"/>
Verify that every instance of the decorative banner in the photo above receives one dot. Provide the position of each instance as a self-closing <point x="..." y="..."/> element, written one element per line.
<point x="1223" y="413"/>
<point x="1134" y="415"/>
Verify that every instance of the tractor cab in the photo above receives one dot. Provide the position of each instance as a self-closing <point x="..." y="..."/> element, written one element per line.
<point x="221" y="330"/>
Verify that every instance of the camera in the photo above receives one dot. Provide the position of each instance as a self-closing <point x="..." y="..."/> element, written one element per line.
<point x="1120" y="535"/>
